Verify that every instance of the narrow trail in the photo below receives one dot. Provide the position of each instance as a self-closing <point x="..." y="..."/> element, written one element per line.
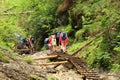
<point x="66" y="71"/>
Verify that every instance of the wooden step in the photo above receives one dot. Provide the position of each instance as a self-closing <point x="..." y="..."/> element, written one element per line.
<point x="80" y="66"/>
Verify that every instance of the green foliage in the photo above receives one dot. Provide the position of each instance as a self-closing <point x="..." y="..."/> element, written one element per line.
<point x="79" y="35"/>
<point x="111" y="40"/>
<point x="67" y="28"/>
<point x="39" y="20"/>
<point x="8" y="27"/>
<point x="3" y="58"/>
<point x="115" y="67"/>
<point x="99" y="60"/>
<point x="42" y="20"/>
<point x="117" y="48"/>
<point x="75" y="46"/>
<point x="8" y="35"/>
<point x="87" y="31"/>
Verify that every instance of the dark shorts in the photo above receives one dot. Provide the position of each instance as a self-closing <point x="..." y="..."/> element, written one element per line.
<point x="57" y="41"/>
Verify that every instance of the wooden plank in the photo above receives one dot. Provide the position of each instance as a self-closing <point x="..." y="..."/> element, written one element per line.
<point x="80" y="66"/>
<point x="52" y="63"/>
<point x="45" y="57"/>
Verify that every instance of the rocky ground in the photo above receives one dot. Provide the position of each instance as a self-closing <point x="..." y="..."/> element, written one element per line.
<point x="61" y="72"/>
<point x="18" y="69"/>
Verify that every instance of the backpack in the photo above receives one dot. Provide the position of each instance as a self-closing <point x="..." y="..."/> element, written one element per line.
<point x="22" y="40"/>
<point x="57" y="34"/>
<point x="63" y="35"/>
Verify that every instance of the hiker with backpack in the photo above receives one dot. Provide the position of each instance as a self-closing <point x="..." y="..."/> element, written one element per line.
<point x="52" y="42"/>
<point x="31" y="42"/>
<point x="22" y="42"/>
<point x="63" y="40"/>
<point x="32" y="39"/>
<point x="57" y="34"/>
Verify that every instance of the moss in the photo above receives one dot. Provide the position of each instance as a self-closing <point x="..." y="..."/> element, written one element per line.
<point x="51" y="77"/>
<point x="35" y="77"/>
<point x="28" y="59"/>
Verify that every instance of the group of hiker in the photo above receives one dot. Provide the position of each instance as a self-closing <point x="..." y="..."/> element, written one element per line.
<point x="52" y="43"/>
<point x="57" y="39"/>
<point x="26" y="43"/>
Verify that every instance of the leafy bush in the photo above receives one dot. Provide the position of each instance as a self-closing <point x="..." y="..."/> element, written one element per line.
<point x="115" y="67"/>
<point x="79" y="35"/>
<point x="117" y="48"/>
<point x="100" y="60"/>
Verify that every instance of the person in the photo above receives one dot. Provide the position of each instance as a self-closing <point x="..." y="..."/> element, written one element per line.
<point x="63" y="40"/>
<point x="46" y="42"/>
<point x="28" y="43"/>
<point x="32" y="39"/>
<point x="57" y="34"/>
<point x="52" y="42"/>
<point x="23" y="42"/>
<point x="31" y="42"/>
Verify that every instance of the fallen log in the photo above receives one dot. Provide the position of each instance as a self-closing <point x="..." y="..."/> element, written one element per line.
<point x="52" y="63"/>
<point x="45" y="57"/>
